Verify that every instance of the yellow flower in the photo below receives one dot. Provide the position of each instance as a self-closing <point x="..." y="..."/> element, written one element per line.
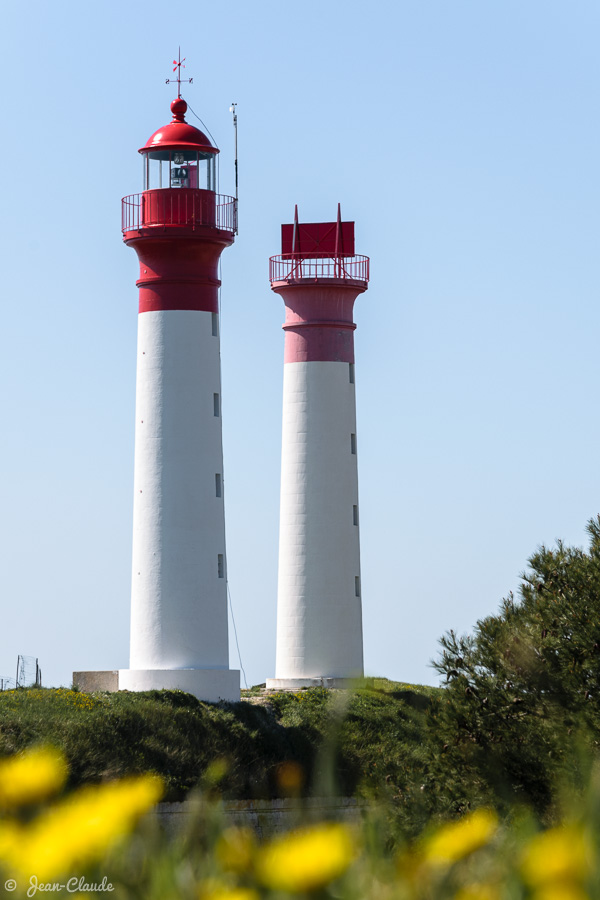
<point x="82" y="827"/>
<point x="409" y="865"/>
<point x="458" y="839"/>
<point x="478" y="892"/>
<point x="31" y="777"/>
<point x="10" y="837"/>
<point x="235" y="849"/>
<point x="213" y="891"/>
<point x="560" y="892"/>
<point x="306" y="859"/>
<point x="554" y="856"/>
<point x="290" y="778"/>
<point x="216" y="771"/>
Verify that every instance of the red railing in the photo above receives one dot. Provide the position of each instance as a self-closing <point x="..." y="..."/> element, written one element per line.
<point x="169" y="207"/>
<point x="293" y="268"/>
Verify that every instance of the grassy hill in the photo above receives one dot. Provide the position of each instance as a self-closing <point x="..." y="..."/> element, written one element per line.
<point x="357" y="742"/>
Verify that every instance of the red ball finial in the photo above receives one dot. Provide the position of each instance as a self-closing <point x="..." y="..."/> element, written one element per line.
<point x="178" y="108"/>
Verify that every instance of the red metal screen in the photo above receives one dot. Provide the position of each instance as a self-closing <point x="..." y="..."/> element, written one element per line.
<point x="318" y="239"/>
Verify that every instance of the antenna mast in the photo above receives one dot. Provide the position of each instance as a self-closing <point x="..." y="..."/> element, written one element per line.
<point x="233" y="110"/>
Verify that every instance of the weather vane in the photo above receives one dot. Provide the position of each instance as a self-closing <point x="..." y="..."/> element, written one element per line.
<point x="177" y="65"/>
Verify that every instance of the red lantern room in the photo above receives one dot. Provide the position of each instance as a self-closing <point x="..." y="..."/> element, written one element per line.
<point x="179" y="182"/>
<point x="179" y="155"/>
<point x="179" y="225"/>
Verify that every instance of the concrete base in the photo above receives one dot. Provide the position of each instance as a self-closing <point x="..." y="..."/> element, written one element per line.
<point x="211" y="685"/>
<point x="96" y="681"/>
<point x="296" y="684"/>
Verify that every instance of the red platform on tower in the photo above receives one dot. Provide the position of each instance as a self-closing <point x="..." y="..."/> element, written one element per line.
<point x="318" y="250"/>
<point x="319" y="276"/>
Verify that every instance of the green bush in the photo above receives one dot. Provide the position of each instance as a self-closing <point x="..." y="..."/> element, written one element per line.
<point x="523" y="691"/>
<point x="173" y="734"/>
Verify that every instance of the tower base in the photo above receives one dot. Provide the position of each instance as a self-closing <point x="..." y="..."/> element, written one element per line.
<point x="296" y="684"/>
<point x="210" y="685"/>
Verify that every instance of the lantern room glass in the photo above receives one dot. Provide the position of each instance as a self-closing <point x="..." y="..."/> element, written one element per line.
<point x="179" y="169"/>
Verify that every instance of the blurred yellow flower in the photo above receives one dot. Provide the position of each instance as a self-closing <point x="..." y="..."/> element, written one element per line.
<point x="78" y="830"/>
<point x="478" y="892"/>
<point x="554" y="856"/>
<point x="31" y="777"/>
<point x="560" y="892"/>
<point x="306" y="859"/>
<point x="458" y="839"/>
<point x="290" y="778"/>
<point x="217" y="892"/>
<point x="10" y="837"/>
<point x="235" y="849"/>
<point x="409" y="865"/>
<point x="216" y="771"/>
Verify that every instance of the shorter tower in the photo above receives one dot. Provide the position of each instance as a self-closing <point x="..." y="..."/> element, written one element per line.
<point x="319" y="616"/>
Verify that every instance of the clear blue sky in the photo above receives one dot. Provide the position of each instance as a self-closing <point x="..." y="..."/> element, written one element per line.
<point x="463" y="139"/>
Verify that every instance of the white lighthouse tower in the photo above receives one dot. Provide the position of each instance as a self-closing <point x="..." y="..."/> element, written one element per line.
<point x="319" y="618"/>
<point x="178" y="227"/>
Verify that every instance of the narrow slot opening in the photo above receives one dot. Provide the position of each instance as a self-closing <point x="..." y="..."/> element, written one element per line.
<point x="215" y="324"/>
<point x="357" y="585"/>
<point x="355" y="514"/>
<point x="218" y="485"/>
<point x="351" y="372"/>
<point x="221" y="565"/>
<point x="352" y="442"/>
<point x="217" y="404"/>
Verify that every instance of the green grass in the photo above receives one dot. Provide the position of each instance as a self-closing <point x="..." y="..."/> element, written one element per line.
<point x="350" y="742"/>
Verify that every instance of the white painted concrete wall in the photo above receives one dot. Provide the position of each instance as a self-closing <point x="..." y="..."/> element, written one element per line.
<point x="319" y="619"/>
<point x="178" y="603"/>
<point x="210" y="685"/>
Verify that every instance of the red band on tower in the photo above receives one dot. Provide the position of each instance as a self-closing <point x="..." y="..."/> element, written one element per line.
<point x="318" y="322"/>
<point x="319" y="277"/>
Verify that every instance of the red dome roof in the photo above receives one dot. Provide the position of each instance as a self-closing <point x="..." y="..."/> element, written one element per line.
<point x="178" y="134"/>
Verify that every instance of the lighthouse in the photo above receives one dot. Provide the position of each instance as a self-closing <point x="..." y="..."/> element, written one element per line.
<point x="319" y="607"/>
<point x="178" y="226"/>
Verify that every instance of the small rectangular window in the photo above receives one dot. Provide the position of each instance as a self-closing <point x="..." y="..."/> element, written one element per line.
<point x="217" y="404"/>
<point x="355" y="514"/>
<point x="215" y="324"/>
<point x="221" y="565"/>
<point x="352" y="442"/>
<point x="351" y="372"/>
<point x="357" y="585"/>
<point x="218" y="487"/>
